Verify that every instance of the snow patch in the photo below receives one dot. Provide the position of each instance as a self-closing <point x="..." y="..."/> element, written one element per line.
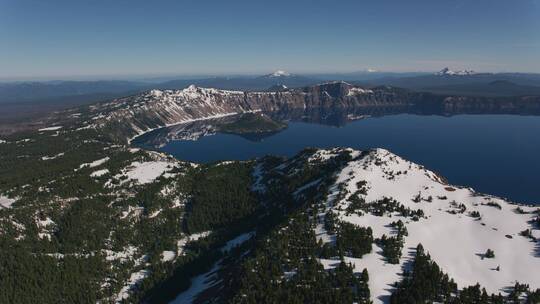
<point x="52" y="157"/>
<point x="6" y="202"/>
<point x="95" y="163"/>
<point x="51" y="128"/>
<point x="190" y="238"/>
<point x="280" y="73"/>
<point x="147" y="172"/>
<point x="99" y="173"/>
<point x="132" y="284"/>
<point x="167" y="256"/>
<point x="198" y="284"/>
<point x="122" y="256"/>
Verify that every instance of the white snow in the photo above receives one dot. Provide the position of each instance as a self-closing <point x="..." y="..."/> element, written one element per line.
<point x="132" y="283"/>
<point x="167" y="190"/>
<point x="190" y="238"/>
<point x="47" y="222"/>
<point x="198" y="284"/>
<point x="44" y="235"/>
<point x="324" y="155"/>
<point x="122" y="256"/>
<point x="95" y="163"/>
<point x="206" y="280"/>
<point x="50" y="128"/>
<point x="3" y="141"/>
<point x="448" y="72"/>
<point x="167" y="256"/>
<point x="454" y="241"/>
<point x="132" y="212"/>
<point x="155" y="213"/>
<point x="99" y="173"/>
<point x="6" y="202"/>
<point x="45" y="227"/>
<point x="147" y="172"/>
<point x="358" y="91"/>
<point x="86" y="127"/>
<point x="178" y="202"/>
<point x="52" y="157"/>
<point x="280" y="73"/>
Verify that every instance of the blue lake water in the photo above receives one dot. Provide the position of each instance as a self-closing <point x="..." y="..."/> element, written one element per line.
<point x="495" y="154"/>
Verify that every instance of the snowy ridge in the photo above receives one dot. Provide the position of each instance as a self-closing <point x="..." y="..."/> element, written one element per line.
<point x="449" y="231"/>
<point x="159" y="108"/>
<point x="279" y="73"/>
<point x="447" y="72"/>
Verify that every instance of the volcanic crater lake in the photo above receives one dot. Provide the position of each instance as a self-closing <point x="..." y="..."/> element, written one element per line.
<point x="494" y="154"/>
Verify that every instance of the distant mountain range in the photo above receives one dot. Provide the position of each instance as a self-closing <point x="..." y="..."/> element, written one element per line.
<point x="29" y="91"/>
<point x="467" y="82"/>
<point x="246" y="83"/>
<point x="23" y="99"/>
<point x="130" y="116"/>
<point x="494" y="88"/>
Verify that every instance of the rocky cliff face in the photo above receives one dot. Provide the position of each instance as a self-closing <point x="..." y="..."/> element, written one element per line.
<point x="134" y="115"/>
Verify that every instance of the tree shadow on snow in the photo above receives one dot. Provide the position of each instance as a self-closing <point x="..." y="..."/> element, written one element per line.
<point x="405" y="267"/>
<point x="481" y="255"/>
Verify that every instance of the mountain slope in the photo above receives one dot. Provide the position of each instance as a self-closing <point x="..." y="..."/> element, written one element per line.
<point x="369" y="210"/>
<point x="456" y="225"/>
<point x="86" y="218"/>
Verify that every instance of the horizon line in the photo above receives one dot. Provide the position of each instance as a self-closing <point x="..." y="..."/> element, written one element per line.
<point x="154" y="76"/>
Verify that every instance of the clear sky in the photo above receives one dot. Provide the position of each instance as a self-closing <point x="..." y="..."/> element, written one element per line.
<point x="56" y="38"/>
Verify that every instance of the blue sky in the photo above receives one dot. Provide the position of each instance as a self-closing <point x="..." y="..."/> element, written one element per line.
<point x="62" y="39"/>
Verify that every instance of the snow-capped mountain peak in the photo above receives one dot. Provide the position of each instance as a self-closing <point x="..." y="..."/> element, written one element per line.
<point x="447" y="72"/>
<point x="279" y="73"/>
<point x="191" y="87"/>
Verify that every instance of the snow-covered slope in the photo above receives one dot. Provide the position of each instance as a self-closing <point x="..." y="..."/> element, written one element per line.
<point x="451" y="230"/>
